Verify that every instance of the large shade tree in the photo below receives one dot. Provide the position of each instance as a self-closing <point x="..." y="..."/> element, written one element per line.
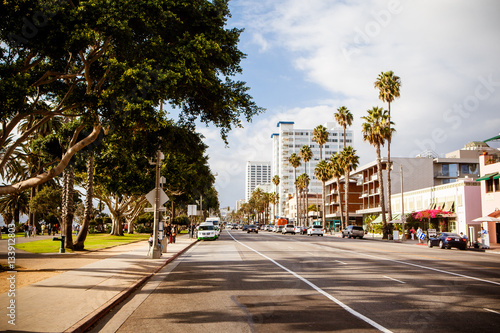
<point x="388" y="85"/>
<point x="107" y="63"/>
<point x="375" y="130"/>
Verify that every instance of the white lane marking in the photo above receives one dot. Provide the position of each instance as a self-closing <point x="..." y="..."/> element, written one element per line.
<point x="319" y="290"/>
<point x="491" y="311"/>
<point x="388" y="277"/>
<point x="420" y="266"/>
<point x="310" y="253"/>
<point x="343" y="263"/>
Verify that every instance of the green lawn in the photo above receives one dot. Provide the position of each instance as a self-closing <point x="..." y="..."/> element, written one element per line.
<point x="93" y="242"/>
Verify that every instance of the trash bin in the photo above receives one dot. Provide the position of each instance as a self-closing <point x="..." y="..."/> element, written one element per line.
<point x="395" y="235"/>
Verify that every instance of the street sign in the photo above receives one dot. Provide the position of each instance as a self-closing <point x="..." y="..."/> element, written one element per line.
<point x="151" y="209"/>
<point x="152" y="194"/>
<point x="192" y="210"/>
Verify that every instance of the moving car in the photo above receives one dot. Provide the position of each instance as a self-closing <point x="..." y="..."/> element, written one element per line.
<point x="300" y="230"/>
<point x="206" y="231"/>
<point x="447" y="240"/>
<point x="353" y="231"/>
<point x="288" y="229"/>
<point x="252" y="228"/>
<point x="315" y="230"/>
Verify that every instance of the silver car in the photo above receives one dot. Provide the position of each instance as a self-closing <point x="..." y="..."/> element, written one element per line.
<point x="288" y="229"/>
<point x="353" y="231"/>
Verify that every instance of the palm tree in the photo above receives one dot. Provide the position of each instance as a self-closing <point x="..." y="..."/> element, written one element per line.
<point x="375" y="130"/>
<point x="323" y="172"/>
<point x="303" y="183"/>
<point x="276" y="182"/>
<point x="349" y="161"/>
<point x="320" y="136"/>
<point x="388" y="85"/>
<point x="337" y="172"/>
<point x="15" y="204"/>
<point x="294" y="161"/>
<point x="306" y="154"/>
<point x="344" y="118"/>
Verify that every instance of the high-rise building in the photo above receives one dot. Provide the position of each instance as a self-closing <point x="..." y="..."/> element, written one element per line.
<point x="257" y="173"/>
<point x="289" y="140"/>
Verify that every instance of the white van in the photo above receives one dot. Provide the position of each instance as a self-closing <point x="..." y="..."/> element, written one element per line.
<point x="206" y="231"/>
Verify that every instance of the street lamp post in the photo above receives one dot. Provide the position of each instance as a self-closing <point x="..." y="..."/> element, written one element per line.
<point x="156" y="252"/>
<point x="403" y="217"/>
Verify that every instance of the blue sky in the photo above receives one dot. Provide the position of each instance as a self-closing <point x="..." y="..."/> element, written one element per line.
<point x="307" y="58"/>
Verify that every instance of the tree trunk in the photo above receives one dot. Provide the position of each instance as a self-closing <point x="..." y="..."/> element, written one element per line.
<point x="382" y="196"/>
<point x="117" y="227"/>
<point x="67" y="207"/>
<point x="340" y="204"/>
<point x="346" y="178"/>
<point x="389" y="168"/>
<point x="87" y="216"/>
<point x="323" y="209"/>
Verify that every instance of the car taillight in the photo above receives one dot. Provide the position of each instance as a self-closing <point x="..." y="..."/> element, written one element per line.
<point x="462" y="239"/>
<point x="448" y="238"/>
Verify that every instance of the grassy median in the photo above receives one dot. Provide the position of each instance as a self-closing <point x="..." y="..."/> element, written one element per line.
<point x="93" y="242"/>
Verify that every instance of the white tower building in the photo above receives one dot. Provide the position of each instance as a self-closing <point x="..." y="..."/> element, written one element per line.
<point x="288" y="141"/>
<point x="257" y="173"/>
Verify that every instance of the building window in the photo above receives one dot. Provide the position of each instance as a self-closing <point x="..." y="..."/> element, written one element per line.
<point x="497" y="185"/>
<point x="489" y="185"/>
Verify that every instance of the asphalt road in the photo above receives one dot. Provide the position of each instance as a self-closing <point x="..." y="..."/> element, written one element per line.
<point x="268" y="282"/>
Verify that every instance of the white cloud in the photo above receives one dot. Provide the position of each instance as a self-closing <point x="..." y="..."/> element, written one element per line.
<point x="445" y="52"/>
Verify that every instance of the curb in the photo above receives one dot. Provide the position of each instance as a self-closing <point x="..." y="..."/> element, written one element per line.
<point x="89" y="320"/>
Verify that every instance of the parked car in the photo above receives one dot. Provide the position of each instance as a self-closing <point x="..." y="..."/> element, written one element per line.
<point x="315" y="230"/>
<point x="447" y="240"/>
<point x="353" y="231"/>
<point x="252" y="228"/>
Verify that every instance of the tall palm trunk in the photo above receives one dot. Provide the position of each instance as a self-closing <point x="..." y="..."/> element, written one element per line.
<point x="307" y="199"/>
<point x="340" y="203"/>
<point x="296" y="195"/>
<point x="382" y="196"/>
<point x="323" y="208"/>
<point x="346" y="178"/>
<point x="67" y="207"/>
<point x="389" y="168"/>
<point x="82" y="234"/>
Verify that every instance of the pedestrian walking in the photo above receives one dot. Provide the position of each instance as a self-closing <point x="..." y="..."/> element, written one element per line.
<point x="174" y="233"/>
<point x="43" y="229"/>
<point x="412" y="233"/>
<point x="33" y="230"/>
<point x="168" y="233"/>
<point x="420" y="235"/>
<point x="49" y="229"/>
<point x="26" y="230"/>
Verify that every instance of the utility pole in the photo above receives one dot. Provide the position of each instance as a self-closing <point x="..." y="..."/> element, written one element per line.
<point x="403" y="217"/>
<point x="156" y="252"/>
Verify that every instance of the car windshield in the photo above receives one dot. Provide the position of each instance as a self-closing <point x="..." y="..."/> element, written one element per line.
<point x="206" y="227"/>
<point x="357" y="228"/>
<point x="317" y="226"/>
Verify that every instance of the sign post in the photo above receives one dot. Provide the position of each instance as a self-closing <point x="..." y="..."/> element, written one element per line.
<point x="157" y="198"/>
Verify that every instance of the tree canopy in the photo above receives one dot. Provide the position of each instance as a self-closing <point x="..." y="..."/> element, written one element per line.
<point x="109" y="64"/>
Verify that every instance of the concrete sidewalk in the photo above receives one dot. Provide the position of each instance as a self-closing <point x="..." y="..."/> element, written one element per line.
<point x="378" y="237"/>
<point x="72" y="301"/>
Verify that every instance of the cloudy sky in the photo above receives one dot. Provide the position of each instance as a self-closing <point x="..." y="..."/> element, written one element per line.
<point x="307" y="58"/>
